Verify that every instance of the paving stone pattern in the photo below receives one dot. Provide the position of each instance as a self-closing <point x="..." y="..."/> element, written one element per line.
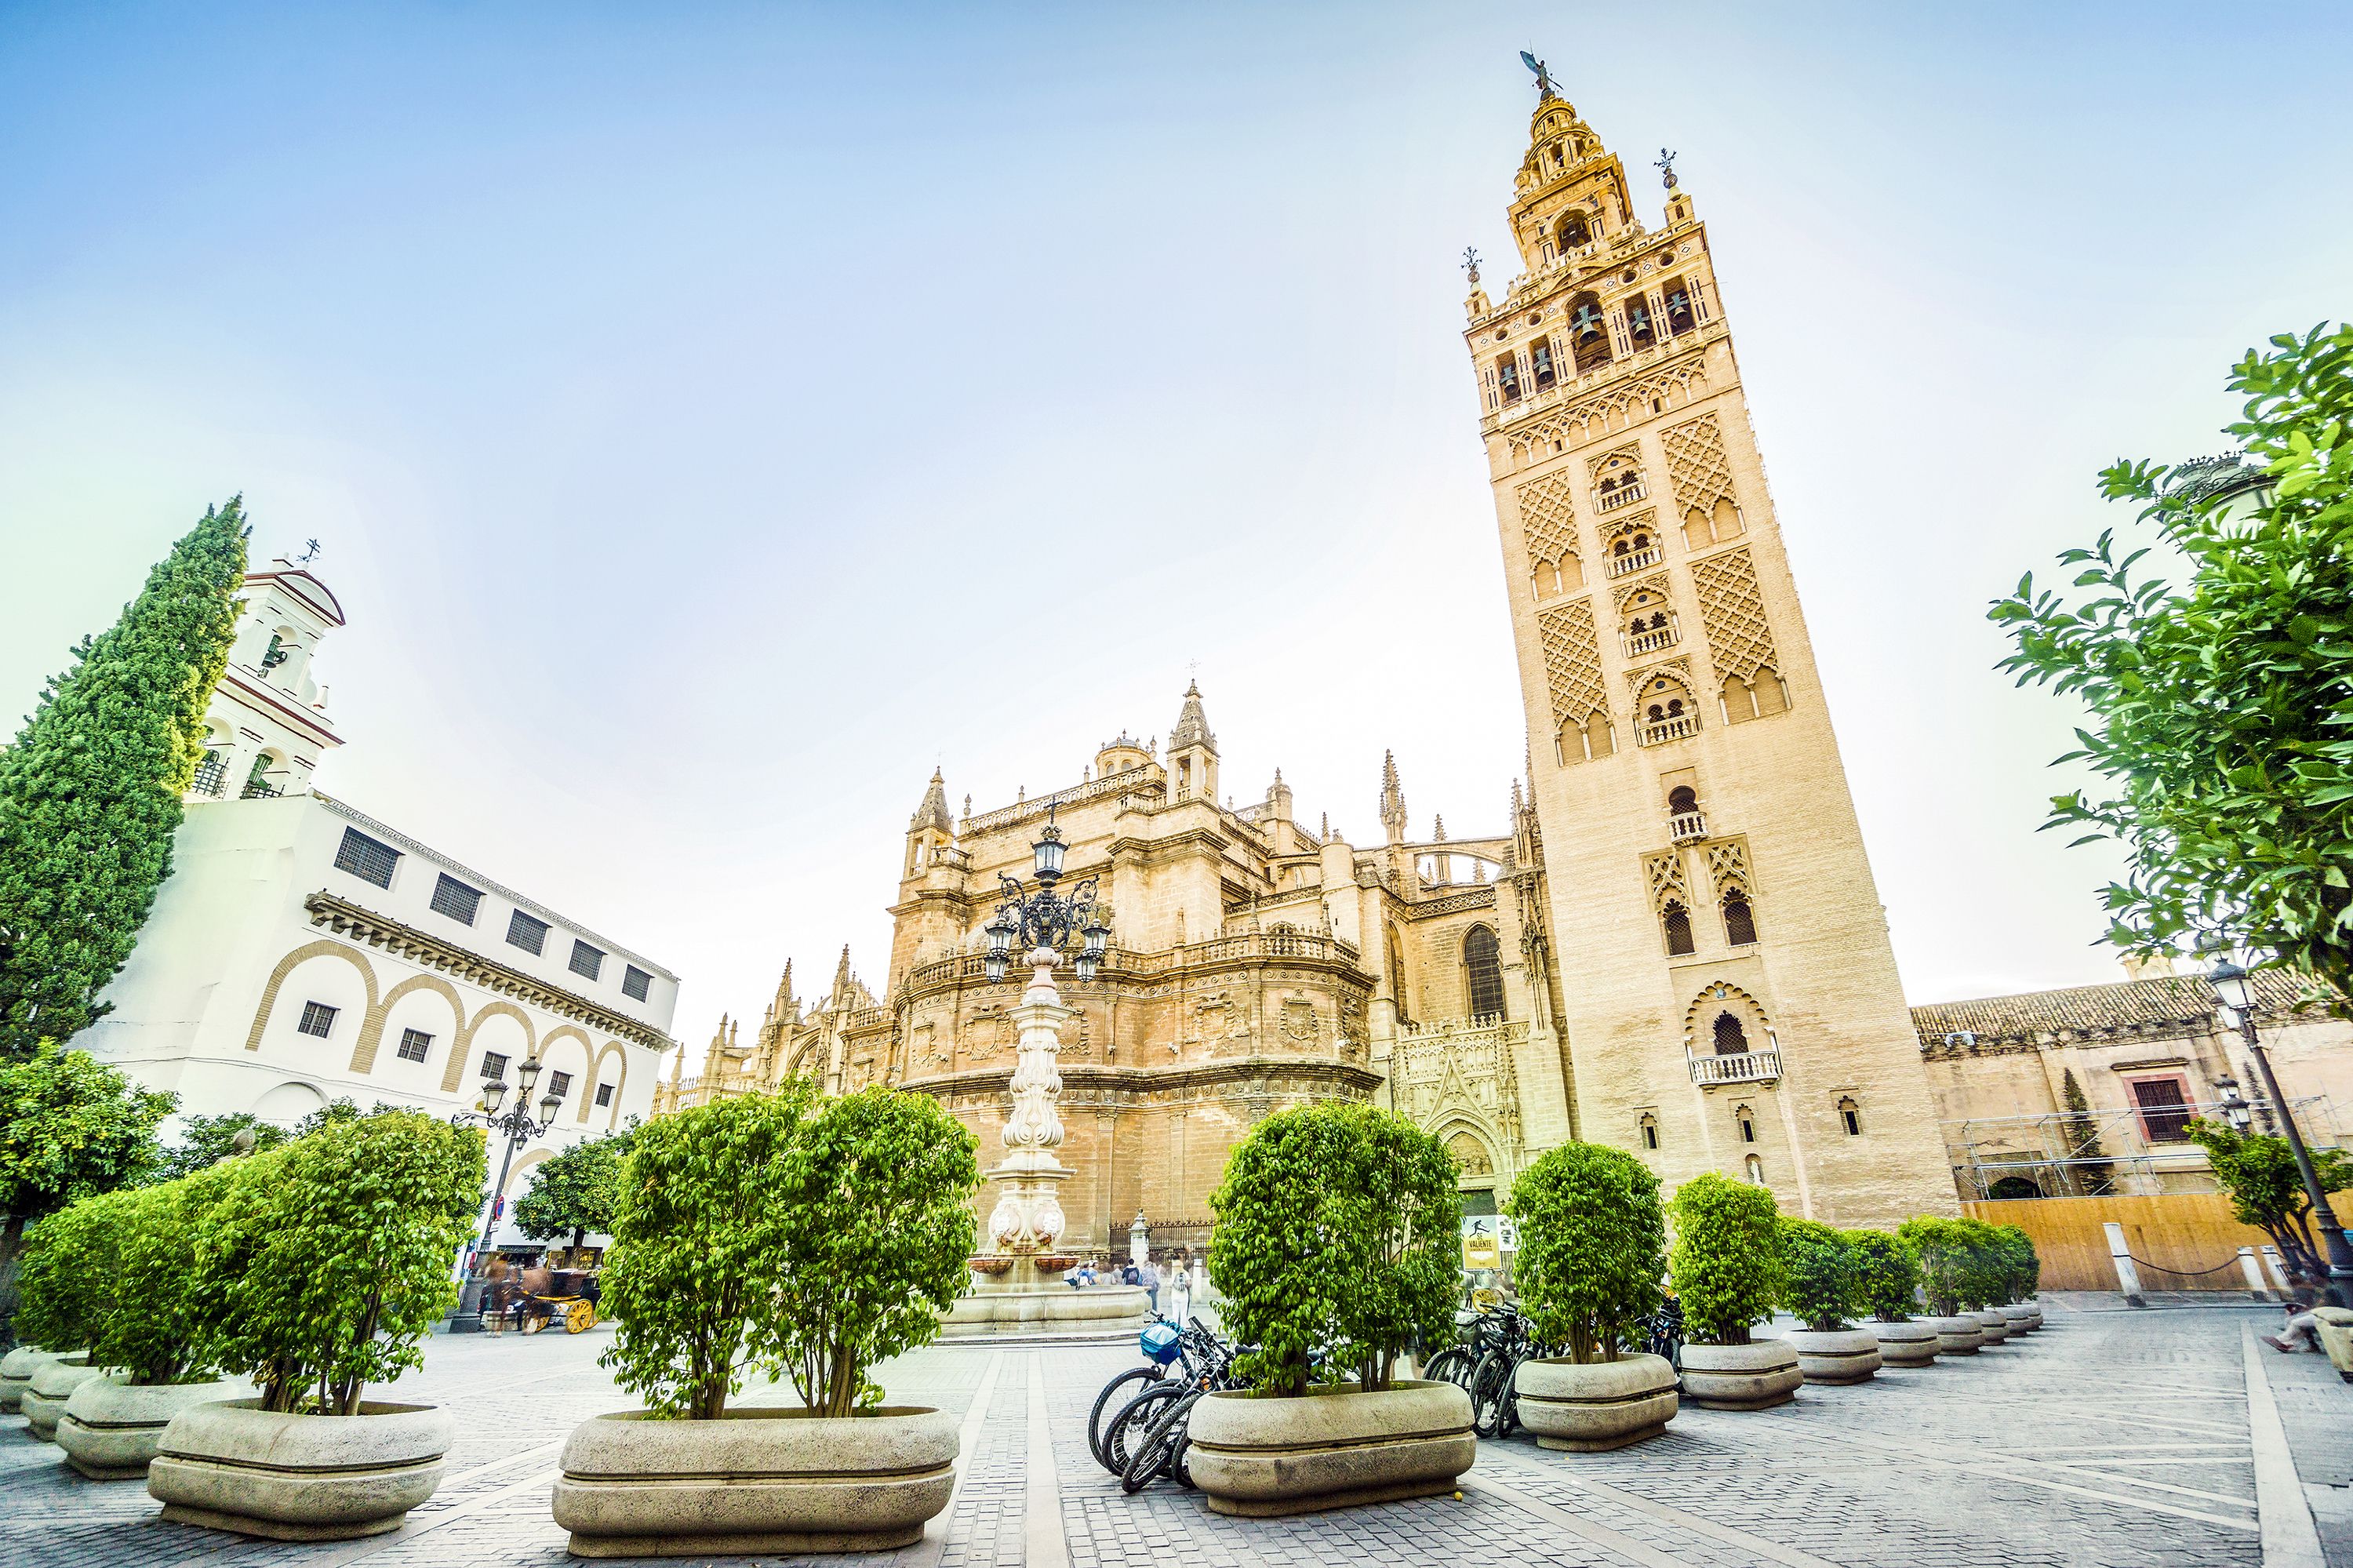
<point x="2111" y="1437"/>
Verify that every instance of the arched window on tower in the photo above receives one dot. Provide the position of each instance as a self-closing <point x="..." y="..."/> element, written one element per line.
<point x="1747" y="1120"/>
<point x="1739" y="921"/>
<point x="1482" y="973"/>
<point x="1677" y="921"/>
<point x="1507" y="376"/>
<point x="1675" y="304"/>
<point x="1573" y="232"/>
<point x="1540" y="363"/>
<point x="1731" y="1036"/>
<point x="1638" y="325"/>
<point x="1682" y="800"/>
<point x="1851" y="1116"/>
<point x="1650" y="1130"/>
<point x="1589" y="334"/>
<point x="1397" y="977"/>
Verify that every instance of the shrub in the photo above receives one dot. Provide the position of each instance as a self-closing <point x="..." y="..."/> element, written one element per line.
<point x="153" y="1330"/>
<point x="876" y="1223"/>
<point x="572" y="1191"/>
<point x="2025" y="1265"/>
<point x="1940" y="1249"/>
<point x="67" y="1275"/>
<point x="1726" y="1260"/>
<point x="1887" y="1274"/>
<point x="327" y="1259"/>
<point x="1337" y="1224"/>
<point x="1822" y="1283"/>
<point x="1593" y="1245"/>
<point x="1984" y="1265"/>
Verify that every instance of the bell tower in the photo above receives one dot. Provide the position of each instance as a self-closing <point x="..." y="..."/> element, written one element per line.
<point x="1730" y="988"/>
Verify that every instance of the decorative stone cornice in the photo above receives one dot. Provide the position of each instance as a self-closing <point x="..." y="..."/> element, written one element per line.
<point x="1478" y="898"/>
<point x="357" y="923"/>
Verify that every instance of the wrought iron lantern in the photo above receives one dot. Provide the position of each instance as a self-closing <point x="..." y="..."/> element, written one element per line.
<point x="1047" y="919"/>
<point x="2234" y="1104"/>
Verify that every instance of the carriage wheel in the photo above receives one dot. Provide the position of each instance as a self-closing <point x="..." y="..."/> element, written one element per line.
<point x="533" y="1323"/>
<point x="579" y="1317"/>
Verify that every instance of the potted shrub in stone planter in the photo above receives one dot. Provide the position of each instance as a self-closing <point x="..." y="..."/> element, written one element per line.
<point x="2021" y="1275"/>
<point x="66" y="1287"/>
<point x="1889" y="1278"/>
<point x="1984" y="1278"/>
<point x="1337" y="1225"/>
<point x="1940" y="1249"/>
<point x="1593" y="1246"/>
<point x="149" y="1332"/>
<point x="1726" y="1263"/>
<point x="1822" y="1289"/>
<point x="774" y="1234"/>
<point x="319" y="1271"/>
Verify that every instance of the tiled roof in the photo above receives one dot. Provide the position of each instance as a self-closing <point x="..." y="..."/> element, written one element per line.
<point x="2159" y="1002"/>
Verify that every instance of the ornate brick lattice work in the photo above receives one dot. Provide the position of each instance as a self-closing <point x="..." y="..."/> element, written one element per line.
<point x="1732" y="609"/>
<point x="1677" y="668"/>
<point x="1664" y="873"/>
<point x="1656" y="582"/>
<point x="1548" y="522"/>
<point x="1572" y="656"/>
<point x="1643" y="522"/>
<point x="1631" y="451"/>
<point x="1697" y="465"/>
<point x="1625" y="404"/>
<point x="1727" y="868"/>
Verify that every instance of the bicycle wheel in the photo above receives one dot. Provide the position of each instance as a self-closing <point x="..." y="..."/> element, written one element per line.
<point x="1489" y="1384"/>
<point x="1112" y="1400"/>
<point x="1451" y="1364"/>
<point x="1134" y="1419"/>
<point x="1153" y="1455"/>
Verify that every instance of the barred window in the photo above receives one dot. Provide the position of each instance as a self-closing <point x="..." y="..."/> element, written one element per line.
<point x="368" y="859"/>
<point x="636" y="983"/>
<point x="415" y="1043"/>
<point x="1677" y="920"/>
<point x="525" y="932"/>
<point x="604" y="1095"/>
<point x="318" y="1019"/>
<point x="586" y="961"/>
<point x="494" y="1065"/>
<point x="455" y="899"/>
<point x="1483" y="966"/>
<point x="559" y="1083"/>
<point x="1739" y="922"/>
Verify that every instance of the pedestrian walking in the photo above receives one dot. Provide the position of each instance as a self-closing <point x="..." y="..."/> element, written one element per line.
<point x="1149" y="1277"/>
<point x="1180" y="1290"/>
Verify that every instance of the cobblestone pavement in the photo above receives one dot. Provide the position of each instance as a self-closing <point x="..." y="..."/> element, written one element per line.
<point x="2109" y="1438"/>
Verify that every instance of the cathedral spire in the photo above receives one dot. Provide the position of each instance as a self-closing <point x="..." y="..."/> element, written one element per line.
<point x="841" y="981"/>
<point x="1192" y="723"/>
<point x="933" y="812"/>
<point x="1392" y="799"/>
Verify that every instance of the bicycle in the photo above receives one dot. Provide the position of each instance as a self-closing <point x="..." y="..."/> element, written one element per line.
<point x="1170" y="1349"/>
<point x="1454" y="1363"/>
<point x="1160" y="1449"/>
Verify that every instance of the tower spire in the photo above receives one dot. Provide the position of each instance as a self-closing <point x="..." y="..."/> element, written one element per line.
<point x="933" y="812"/>
<point x="1192" y="723"/>
<point x="1392" y="799"/>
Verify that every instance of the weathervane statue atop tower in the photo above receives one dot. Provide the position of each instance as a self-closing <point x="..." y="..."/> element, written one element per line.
<point x="1666" y="167"/>
<point x="1544" y="86"/>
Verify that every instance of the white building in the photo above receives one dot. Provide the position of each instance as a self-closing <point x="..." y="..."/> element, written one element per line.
<point x="303" y="952"/>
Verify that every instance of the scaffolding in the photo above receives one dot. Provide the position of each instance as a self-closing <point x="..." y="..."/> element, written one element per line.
<point x="2069" y="1154"/>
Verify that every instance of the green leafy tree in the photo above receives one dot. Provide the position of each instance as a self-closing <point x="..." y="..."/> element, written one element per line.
<point x="2218" y="709"/>
<point x="876" y="1224"/>
<point x="2088" y="1162"/>
<point x="1593" y="1246"/>
<point x="1727" y="1258"/>
<point x="574" y="1190"/>
<point x="2022" y="1264"/>
<point x="696" y="1251"/>
<point x="1823" y="1278"/>
<point x="327" y="1259"/>
<point x="70" y="1277"/>
<point x="70" y="1126"/>
<point x="1941" y="1248"/>
<point x="1340" y="1225"/>
<point x="1888" y="1273"/>
<point x="89" y="793"/>
<point x="2266" y="1190"/>
<point x="151" y="1329"/>
<point x="205" y="1141"/>
<point x="1984" y="1269"/>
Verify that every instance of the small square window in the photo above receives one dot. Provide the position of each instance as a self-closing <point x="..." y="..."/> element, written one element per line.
<point x="318" y="1019"/>
<point x="455" y="899"/>
<point x="368" y="859"/>
<point x="525" y="932"/>
<point x="636" y="983"/>
<point x="559" y="1083"/>
<point x="587" y="962"/>
<point x="494" y="1065"/>
<point x="604" y="1095"/>
<point x="415" y="1045"/>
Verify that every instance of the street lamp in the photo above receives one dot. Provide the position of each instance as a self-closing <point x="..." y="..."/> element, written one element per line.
<point x="2236" y="992"/>
<point x="1047" y="919"/>
<point x="519" y="1127"/>
<point x="2234" y="1104"/>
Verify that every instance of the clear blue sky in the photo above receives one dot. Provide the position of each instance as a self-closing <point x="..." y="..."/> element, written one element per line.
<point x="714" y="416"/>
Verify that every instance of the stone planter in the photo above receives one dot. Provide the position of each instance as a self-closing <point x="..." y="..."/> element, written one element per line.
<point x="1596" y="1406"/>
<point x="1911" y="1343"/>
<point x="1996" y="1326"/>
<point x="231" y="1465"/>
<point x="16" y="1369"/>
<point x="1754" y="1376"/>
<point x="110" y="1428"/>
<point x="1961" y="1336"/>
<point x="756" y="1482"/>
<point x="52" y="1384"/>
<point x="1333" y="1446"/>
<point x="2024" y="1317"/>
<point x="1836" y="1355"/>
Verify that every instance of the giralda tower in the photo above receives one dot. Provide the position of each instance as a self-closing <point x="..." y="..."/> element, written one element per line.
<point x="1731" y="999"/>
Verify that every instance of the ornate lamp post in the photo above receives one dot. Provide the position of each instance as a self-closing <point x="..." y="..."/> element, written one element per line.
<point x="2236" y="992"/>
<point x="519" y="1127"/>
<point x="1044" y="921"/>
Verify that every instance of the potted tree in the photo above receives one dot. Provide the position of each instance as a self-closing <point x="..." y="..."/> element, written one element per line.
<point x="1726" y="1263"/>
<point x="1984" y="1278"/>
<point x="572" y="1191"/>
<point x="149" y="1331"/>
<point x="2021" y="1275"/>
<point x="318" y="1271"/>
<point x="1940" y="1247"/>
<point x="769" y="1234"/>
<point x="65" y="1286"/>
<point x="1593" y="1246"/>
<point x="1822" y="1289"/>
<point x="1890" y="1278"/>
<point x="1338" y="1225"/>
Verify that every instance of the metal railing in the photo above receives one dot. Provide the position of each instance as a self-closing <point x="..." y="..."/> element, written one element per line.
<point x="1664" y="730"/>
<point x="260" y="789"/>
<point x="1634" y="561"/>
<point x="1687" y="827"/>
<point x="1746" y="1067"/>
<point x="1641" y="643"/>
<point x="211" y="774"/>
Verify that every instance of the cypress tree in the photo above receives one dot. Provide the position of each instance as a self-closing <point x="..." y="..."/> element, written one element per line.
<point x="89" y="793"/>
